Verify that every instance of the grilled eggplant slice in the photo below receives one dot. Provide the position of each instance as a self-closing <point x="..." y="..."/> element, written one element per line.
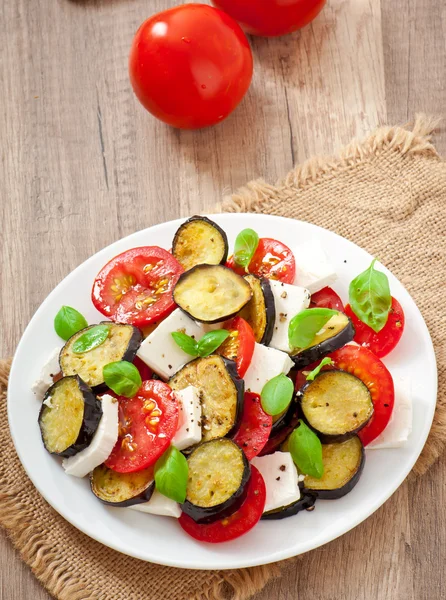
<point x="260" y="312"/>
<point x="221" y="392"/>
<point x="200" y="241"/>
<point x="337" y="332"/>
<point x="218" y="476"/>
<point x="122" y="343"/>
<point x="336" y="405"/>
<point x="343" y="465"/>
<point x="69" y="416"/>
<point x="305" y="502"/>
<point x="122" y="489"/>
<point x="211" y="293"/>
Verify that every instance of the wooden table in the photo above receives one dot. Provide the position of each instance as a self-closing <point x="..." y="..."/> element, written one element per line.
<point x="83" y="165"/>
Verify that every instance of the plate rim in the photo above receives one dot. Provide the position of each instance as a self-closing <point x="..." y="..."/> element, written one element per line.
<point x="277" y="556"/>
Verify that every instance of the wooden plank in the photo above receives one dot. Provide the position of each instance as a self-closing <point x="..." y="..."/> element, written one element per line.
<point x="83" y="164"/>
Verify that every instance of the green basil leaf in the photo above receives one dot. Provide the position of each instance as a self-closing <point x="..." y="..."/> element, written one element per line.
<point x="211" y="341"/>
<point x="306" y="450"/>
<point x="370" y="298"/>
<point x="185" y="342"/>
<point x="91" y="339"/>
<point x="277" y="394"/>
<point x="123" y="378"/>
<point x="171" y="473"/>
<point x="245" y="245"/>
<point x="304" y="326"/>
<point x="315" y="372"/>
<point x="68" y="321"/>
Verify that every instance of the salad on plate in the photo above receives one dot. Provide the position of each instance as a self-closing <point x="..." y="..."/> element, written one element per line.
<point x="223" y="390"/>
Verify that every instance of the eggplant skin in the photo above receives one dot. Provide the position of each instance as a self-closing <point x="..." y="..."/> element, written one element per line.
<point x="201" y="514"/>
<point x="183" y="229"/>
<point x="90" y="420"/>
<point x="262" y="299"/>
<point x="128" y="353"/>
<point x="334" y="493"/>
<point x="325" y="437"/>
<point x="313" y="353"/>
<point x="305" y="502"/>
<point x="226" y="305"/>
<point x="290" y="417"/>
<point x="188" y="375"/>
<point x="143" y="493"/>
<point x="283" y="429"/>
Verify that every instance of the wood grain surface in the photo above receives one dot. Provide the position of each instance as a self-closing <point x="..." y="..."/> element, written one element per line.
<point x="82" y="165"/>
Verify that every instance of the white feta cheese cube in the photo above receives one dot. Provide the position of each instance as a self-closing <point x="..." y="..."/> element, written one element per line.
<point x="289" y="300"/>
<point x="313" y="269"/>
<point x="159" y="350"/>
<point x="397" y="432"/>
<point x="266" y="363"/>
<point x="45" y="379"/>
<point x="159" y="505"/>
<point x="281" y="479"/>
<point x="189" y="431"/>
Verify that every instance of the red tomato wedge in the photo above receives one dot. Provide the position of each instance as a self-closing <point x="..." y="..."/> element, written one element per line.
<point x="239" y="346"/>
<point x="136" y="286"/>
<point x="147" y="423"/>
<point x="237" y="524"/>
<point x="145" y="371"/>
<point x="272" y="260"/>
<point x="255" y="428"/>
<point x="384" y="341"/>
<point x="370" y="370"/>
<point x="327" y="298"/>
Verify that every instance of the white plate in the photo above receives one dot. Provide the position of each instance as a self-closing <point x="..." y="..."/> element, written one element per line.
<point x="160" y="539"/>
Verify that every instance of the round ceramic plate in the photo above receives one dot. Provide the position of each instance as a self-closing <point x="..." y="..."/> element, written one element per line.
<point x="160" y="539"/>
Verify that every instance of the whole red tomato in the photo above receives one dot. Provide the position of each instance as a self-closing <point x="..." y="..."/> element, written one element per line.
<point x="271" y="17"/>
<point x="190" y="66"/>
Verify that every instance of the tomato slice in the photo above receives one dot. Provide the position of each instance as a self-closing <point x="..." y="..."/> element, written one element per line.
<point x="147" y="423"/>
<point x="272" y="260"/>
<point x="145" y="371"/>
<point x="136" y="286"/>
<point x="384" y="341"/>
<point x="327" y="298"/>
<point x="239" y="346"/>
<point x="238" y="523"/>
<point x="255" y="427"/>
<point x="364" y="364"/>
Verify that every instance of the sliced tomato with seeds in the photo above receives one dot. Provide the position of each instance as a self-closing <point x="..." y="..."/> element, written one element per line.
<point x="239" y="346"/>
<point x="136" y="286"/>
<point x="255" y="427"/>
<point x="326" y="298"/>
<point x="147" y="424"/>
<point x="272" y="260"/>
<point x="238" y="523"/>
<point x="370" y="370"/>
<point x="384" y="341"/>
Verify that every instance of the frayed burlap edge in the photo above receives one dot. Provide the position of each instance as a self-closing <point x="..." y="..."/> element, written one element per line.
<point x="258" y="196"/>
<point x="261" y="197"/>
<point x="53" y="572"/>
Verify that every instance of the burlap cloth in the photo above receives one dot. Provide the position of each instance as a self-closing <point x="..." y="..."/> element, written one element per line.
<point x="387" y="194"/>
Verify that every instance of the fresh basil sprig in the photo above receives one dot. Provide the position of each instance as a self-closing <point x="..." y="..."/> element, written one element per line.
<point x="306" y="450"/>
<point x="69" y="321"/>
<point x="315" y="372"/>
<point x="91" y="339"/>
<point x="304" y="326"/>
<point x="123" y="378"/>
<point x="277" y="394"/>
<point x="171" y="473"/>
<point x="205" y="346"/>
<point x="370" y="298"/>
<point x="245" y="245"/>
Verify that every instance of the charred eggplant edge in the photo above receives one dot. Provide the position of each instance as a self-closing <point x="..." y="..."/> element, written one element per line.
<point x="313" y="353"/>
<point x="90" y="419"/>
